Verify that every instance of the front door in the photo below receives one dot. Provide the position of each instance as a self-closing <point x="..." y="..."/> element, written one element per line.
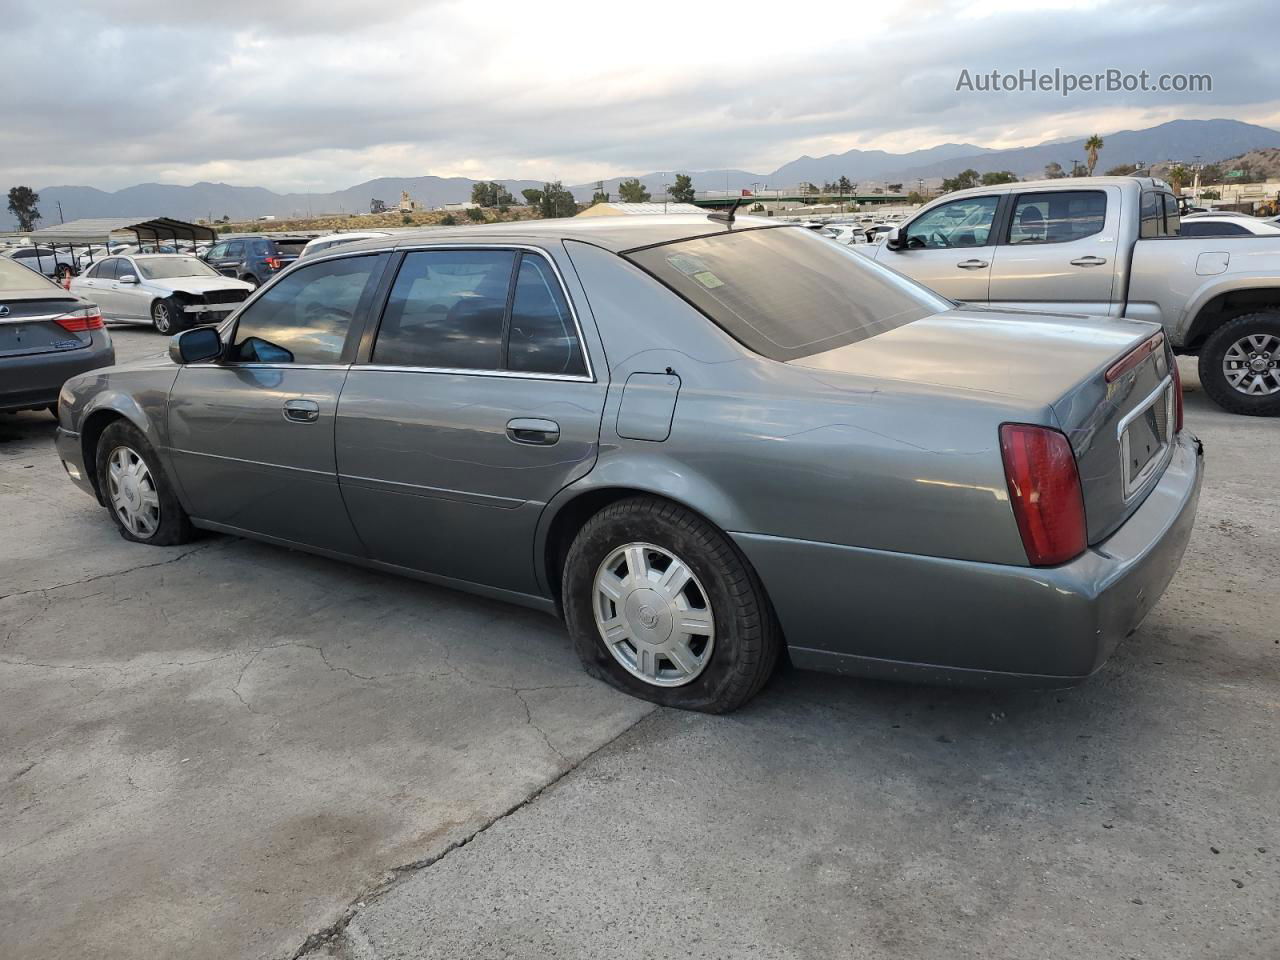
<point x="251" y="436"/>
<point x="949" y="248"/>
<point x="477" y="405"/>
<point x="132" y="302"/>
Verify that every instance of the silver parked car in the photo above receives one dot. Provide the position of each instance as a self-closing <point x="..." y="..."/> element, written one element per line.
<point x="170" y="291"/>
<point x="701" y="443"/>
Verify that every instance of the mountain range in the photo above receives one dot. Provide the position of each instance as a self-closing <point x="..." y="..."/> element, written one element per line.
<point x="1182" y="140"/>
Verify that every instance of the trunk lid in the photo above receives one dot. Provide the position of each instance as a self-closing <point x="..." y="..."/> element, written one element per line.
<point x="1055" y="367"/>
<point x="27" y="326"/>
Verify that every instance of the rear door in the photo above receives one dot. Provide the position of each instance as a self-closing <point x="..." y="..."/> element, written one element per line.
<point x="252" y="436"/>
<point x="949" y="248"/>
<point x="1058" y="252"/>
<point x="478" y="403"/>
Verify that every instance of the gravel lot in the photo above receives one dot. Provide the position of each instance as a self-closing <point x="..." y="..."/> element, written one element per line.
<point x="222" y="749"/>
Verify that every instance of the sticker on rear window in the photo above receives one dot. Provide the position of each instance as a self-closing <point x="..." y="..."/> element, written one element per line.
<point x="689" y="266"/>
<point x="708" y="279"/>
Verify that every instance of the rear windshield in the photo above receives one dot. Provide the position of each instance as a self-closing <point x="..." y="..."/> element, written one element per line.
<point x="14" y="276"/>
<point x="787" y="293"/>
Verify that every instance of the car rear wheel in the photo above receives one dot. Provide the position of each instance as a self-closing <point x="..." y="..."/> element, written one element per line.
<point x="1240" y="364"/>
<point x="250" y="279"/>
<point x="136" y="491"/>
<point x="661" y="604"/>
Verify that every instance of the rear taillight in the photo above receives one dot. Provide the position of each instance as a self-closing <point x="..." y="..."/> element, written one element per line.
<point x="80" y="321"/>
<point x="1177" y="394"/>
<point x="273" y="263"/>
<point x="1044" y="489"/>
<point x="1134" y="357"/>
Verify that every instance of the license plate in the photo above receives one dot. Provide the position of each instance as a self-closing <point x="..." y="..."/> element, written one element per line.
<point x="1144" y="439"/>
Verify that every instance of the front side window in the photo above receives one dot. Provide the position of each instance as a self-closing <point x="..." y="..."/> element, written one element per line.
<point x="786" y="293"/>
<point x="960" y="223"/>
<point x="218" y="250"/>
<point x="306" y="316"/>
<point x="1057" y="217"/>
<point x="125" y="268"/>
<point x="446" y="310"/>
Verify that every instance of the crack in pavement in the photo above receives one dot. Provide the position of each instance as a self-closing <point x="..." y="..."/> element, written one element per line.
<point x="115" y="573"/>
<point x="337" y="931"/>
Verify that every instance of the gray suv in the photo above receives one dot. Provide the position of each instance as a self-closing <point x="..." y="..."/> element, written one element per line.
<point x="254" y="260"/>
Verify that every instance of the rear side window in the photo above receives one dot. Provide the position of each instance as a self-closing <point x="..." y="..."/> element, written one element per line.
<point x="1155" y="221"/>
<point x="235" y="249"/>
<point x="1057" y="217"/>
<point x="1172" y="215"/>
<point x="787" y="293"/>
<point x="542" y="337"/>
<point x="446" y="310"/>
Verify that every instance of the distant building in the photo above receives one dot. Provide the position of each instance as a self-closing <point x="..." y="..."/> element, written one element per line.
<point x="407" y="203"/>
<point x="377" y="206"/>
<point x="616" y="208"/>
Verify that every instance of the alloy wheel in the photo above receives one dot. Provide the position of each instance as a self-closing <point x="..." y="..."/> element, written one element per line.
<point x="1251" y="365"/>
<point x="160" y="316"/>
<point x="653" y="614"/>
<point x="132" y="492"/>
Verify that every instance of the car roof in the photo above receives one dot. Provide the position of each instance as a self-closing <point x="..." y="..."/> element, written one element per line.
<point x="617" y="234"/>
<point x="1060" y="183"/>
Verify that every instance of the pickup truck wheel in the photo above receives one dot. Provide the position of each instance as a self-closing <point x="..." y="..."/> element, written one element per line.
<point x="661" y="605"/>
<point x="1240" y="364"/>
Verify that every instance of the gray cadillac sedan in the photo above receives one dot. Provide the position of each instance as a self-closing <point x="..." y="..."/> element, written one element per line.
<point x="705" y="445"/>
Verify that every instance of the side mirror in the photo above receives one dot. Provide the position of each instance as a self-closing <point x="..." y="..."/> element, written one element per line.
<point x="199" y="345"/>
<point x="127" y="278"/>
<point x="895" y="240"/>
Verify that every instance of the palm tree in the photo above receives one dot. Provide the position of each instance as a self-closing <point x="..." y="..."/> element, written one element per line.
<point x="1092" y="146"/>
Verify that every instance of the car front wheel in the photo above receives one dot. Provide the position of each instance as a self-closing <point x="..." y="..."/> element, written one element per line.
<point x="661" y="604"/>
<point x="1239" y="364"/>
<point x="164" y="317"/>
<point x="136" y="491"/>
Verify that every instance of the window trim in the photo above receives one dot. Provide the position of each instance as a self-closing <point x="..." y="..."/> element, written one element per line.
<point x="1007" y="232"/>
<point x="363" y="359"/>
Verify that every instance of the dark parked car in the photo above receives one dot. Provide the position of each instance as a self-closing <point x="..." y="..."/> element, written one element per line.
<point x="46" y="336"/>
<point x="700" y="444"/>
<point x="254" y="260"/>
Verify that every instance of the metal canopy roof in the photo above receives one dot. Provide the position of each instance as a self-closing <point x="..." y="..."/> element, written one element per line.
<point x="97" y="230"/>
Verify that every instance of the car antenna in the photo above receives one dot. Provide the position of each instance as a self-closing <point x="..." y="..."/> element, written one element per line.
<point x="727" y="217"/>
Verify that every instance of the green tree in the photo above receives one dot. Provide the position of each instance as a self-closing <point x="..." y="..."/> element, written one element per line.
<point x="476" y="214"/>
<point x="964" y="180"/>
<point x="632" y="191"/>
<point x="1122" y="170"/>
<point x="845" y="185"/>
<point x="1211" y="195"/>
<point x="556" y="201"/>
<point x="914" y="197"/>
<point x="1211" y="173"/>
<point x="1091" y="148"/>
<point x="998" y="176"/>
<point x="406" y="219"/>
<point x="600" y="196"/>
<point x="532" y="196"/>
<point x="490" y="193"/>
<point x="448" y="220"/>
<point x="22" y="204"/>
<point x="682" y="190"/>
<point x="1179" y="176"/>
<point x="894" y="188"/>
<point x="1054" y="171"/>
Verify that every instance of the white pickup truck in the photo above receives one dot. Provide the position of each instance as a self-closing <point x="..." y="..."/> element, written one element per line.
<point x="1109" y="247"/>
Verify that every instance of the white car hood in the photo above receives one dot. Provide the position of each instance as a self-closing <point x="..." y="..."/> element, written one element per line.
<point x="197" y="284"/>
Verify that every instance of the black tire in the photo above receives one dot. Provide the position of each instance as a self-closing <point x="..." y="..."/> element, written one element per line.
<point x="166" y="317"/>
<point x="174" y="526"/>
<point x="251" y="279"/>
<point x="1214" y="350"/>
<point x="747" y="637"/>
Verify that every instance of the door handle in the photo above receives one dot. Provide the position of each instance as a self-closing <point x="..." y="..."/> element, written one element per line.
<point x="1088" y="261"/>
<point x="301" y="411"/>
<point x="530" y="430"/>
<point x="973" y="264"/>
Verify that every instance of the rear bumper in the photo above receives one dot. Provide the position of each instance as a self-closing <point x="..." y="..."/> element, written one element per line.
<point x="32" y="382"/>
<point x="903" y="616"/>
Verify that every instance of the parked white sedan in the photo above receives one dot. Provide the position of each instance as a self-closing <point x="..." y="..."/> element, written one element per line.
<point x="170" y="291"/>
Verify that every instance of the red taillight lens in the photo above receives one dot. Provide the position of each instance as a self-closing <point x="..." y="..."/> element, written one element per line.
<point x="273" y="263"/>
<point x="1044" y="489"/>
<point x="1177" y="393"/>
<point x="80" y="321"/>
<point x="1134" y="357"/>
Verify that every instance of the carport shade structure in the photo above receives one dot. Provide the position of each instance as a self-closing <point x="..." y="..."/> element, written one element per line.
<point x="86" y="233"/>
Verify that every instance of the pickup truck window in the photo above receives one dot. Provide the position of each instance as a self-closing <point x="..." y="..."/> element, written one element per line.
<point x="960" y="223"/>
<point x="1159" y="215"/>
<point x="1172" y="215"/>
<point x="1057" y="217"/>
<point x="1198" y="228"/>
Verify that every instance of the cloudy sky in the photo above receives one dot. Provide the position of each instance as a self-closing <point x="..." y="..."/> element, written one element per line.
<point x="309" y="96"/>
